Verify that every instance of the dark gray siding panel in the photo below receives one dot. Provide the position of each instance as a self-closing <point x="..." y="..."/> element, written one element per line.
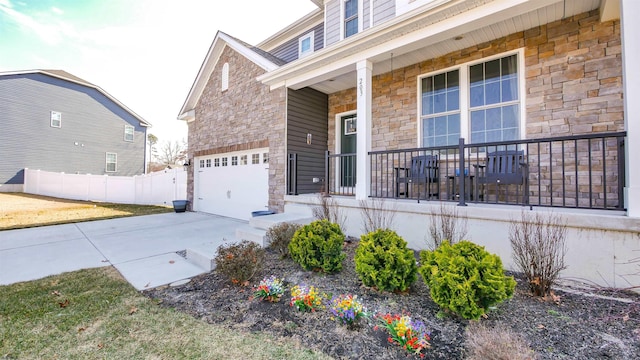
<point x="288" y="51"/>
<point x="92" y="125"/>
<point x="383" y="10"/>
<point x="307" y="112"/>
<point x="332" y="20"/>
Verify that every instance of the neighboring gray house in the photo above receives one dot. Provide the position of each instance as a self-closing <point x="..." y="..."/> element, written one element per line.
<point x="55" y="121"/>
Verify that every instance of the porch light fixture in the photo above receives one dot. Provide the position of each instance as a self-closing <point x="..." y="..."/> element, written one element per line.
<point x="309" y="137"/>
<point x="186" y="165"/>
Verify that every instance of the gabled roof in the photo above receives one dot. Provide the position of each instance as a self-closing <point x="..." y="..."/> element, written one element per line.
<point x="261" y="58"/>
<point x="63" y="75"/>
<point x="320" y="3"/>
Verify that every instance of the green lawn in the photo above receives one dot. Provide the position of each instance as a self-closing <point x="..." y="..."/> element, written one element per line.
<point x="95" y="314"/>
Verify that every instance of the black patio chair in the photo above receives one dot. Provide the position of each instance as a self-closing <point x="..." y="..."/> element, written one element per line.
<point x="423" y="171"/>
<point x="504" y="168"/>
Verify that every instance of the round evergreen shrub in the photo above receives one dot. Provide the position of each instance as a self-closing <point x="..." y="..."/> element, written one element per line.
<point x="318" y="246"/>
<point x="384" y="262"/>
<point x="465" y="279"/>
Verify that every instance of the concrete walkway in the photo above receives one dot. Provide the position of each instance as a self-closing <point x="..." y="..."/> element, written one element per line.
<point x="142" y="248"/>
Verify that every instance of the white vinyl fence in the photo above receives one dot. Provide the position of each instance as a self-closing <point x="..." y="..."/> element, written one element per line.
<point x="158" y="188"/>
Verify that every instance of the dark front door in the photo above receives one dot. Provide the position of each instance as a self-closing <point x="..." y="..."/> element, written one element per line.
<point x="348" y="146"/>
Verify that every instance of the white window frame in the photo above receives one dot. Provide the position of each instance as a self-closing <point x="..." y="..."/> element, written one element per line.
<point x="224" y="80"/>
<point x="465" y="108"/>
<point x="310" y="36"/>
<point x="255" y="159"/>
<point x="132" y="131"/>
<point x="56" y="116"/>
<point x="359" y="16"/>
<point x="106" y="168"/>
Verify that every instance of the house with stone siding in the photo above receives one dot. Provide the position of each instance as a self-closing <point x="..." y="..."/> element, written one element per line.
<point x="495" y="106"/>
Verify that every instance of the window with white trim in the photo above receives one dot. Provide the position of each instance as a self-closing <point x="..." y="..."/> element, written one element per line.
<point x="265" y="158"/>
<point x="216" y="162"/>
<point x="56" y="119"/>
<point x="350" y="18"/>
<point x="243" y="160"/>
<point x="225" y="77"/>
<point x="128" y="132"/>
<point x="224" y="161"/>
<point x="255" y="159"/>
<point x="111" y="162"/>
<point x="305" y="45"/>
<point x="208" y="163"/>
<point x="234" y="161"/>
<point x="479" y="101"/>
<point x="201" y="163"/>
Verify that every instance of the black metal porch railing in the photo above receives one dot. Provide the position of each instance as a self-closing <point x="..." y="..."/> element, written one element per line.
<point x="582" y="171"/>
<point x="340" y="174"/>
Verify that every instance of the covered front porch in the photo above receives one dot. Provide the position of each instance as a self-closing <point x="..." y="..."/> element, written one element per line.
<point x="411" y="121"/>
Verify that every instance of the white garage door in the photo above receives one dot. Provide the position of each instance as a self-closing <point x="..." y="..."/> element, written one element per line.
<point x="232" y="184"/>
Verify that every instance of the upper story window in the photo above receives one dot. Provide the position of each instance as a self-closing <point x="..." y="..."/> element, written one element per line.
<point x="56" y="119"/>
<point x="350" y="17"/>
<point x="128" y="132"/>
<point x="305" y="45"/>
<point x="479" y="101"/>
<point x="225" y="77"/>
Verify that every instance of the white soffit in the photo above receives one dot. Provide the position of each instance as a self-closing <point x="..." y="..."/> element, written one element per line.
<point x="328" y="70"/>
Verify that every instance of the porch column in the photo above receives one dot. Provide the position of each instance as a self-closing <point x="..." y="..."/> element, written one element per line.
<point x="363" y="166"/>
<point x="630" y="28"/>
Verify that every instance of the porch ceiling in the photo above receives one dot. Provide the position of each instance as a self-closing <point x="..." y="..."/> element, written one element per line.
<point x="410" y="42"/>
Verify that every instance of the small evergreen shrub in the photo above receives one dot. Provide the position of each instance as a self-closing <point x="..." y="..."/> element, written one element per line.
<point x="465" y="279"/>
<point x="279" y="236"/>
<point x="318" y="246"/>
<point x="240" y="261"/>
<point x="384" y="262"/>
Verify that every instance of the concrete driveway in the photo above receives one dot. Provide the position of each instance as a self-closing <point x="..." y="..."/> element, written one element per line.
<point x="142" y="248"/>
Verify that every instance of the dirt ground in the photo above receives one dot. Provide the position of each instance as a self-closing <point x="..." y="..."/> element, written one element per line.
<point x="582" y="324"/>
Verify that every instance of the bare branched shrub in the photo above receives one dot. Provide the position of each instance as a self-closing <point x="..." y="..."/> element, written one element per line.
<point x="279" y="236"/>
<point x="538" y="244"/>
<point x="498" y="343"/>
<point x="328" y="209"/>
<point x="376" y="214"/>
<point x="447" y="224"/>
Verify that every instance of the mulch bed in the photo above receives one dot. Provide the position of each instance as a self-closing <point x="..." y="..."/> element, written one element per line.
<point x="590" y="324"/>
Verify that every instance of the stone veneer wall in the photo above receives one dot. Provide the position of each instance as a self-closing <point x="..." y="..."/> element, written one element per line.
<point x="573" y="83"/>
<point x="245" y="116"/>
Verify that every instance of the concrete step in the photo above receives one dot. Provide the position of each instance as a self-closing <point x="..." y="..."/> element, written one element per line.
<point x="203" y="255"/>
<point x="248" y="232"/>
<point x="267" y="221"/>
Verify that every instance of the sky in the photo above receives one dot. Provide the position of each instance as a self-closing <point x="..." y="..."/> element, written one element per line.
<point x="145" y="53"/>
